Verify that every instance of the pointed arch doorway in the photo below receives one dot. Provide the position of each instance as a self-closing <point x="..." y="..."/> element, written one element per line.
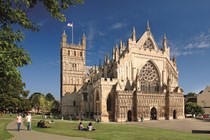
<point x="174" y="114"/>
<point x="129" y="115"/>
<point x="153" y="113"/>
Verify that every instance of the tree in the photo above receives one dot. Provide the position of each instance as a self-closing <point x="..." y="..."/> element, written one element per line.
<point x="35" y="100"/>
<point x="13" y="17"/>
<point x="193" y="108"/>
<point x="191" y="94"/>
<point x="49" y="97"/>
<point x="41" y="102"/>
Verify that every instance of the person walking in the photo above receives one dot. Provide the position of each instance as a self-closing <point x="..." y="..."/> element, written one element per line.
<point x="28" y="121"/>
<point x="19" y="121"/>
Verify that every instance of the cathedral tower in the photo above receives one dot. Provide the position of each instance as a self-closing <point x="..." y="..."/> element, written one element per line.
<point x="73" y="64"/>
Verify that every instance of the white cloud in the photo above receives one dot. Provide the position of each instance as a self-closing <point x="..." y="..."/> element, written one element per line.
<point x="200" y="41"/>
<point x="196" y="45"/>
<point x="118" y="25"/>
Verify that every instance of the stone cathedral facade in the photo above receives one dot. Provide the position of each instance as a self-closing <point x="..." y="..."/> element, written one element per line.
<point x="138" y="80"/>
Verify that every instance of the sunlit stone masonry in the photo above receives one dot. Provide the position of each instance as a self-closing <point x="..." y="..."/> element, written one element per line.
<point x="139" y="81"/>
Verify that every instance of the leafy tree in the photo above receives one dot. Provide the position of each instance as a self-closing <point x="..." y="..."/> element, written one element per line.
<point x="41" y="102"/>
<point x="55" y="108"/>
<point x="35" y="100"/>
<point x="193" y="108"/>
<point x="49" y="97"/>
<point x="34" y="94"/>
<point x="191" y="94"/>
<point x="13" y="17"/>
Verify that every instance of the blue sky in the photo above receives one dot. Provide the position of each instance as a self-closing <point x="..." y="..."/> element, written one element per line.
<point x="105" y="22"/>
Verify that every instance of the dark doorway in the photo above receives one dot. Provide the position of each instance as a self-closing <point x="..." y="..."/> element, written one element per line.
<point x="153" y="113"/>
<point x="108" y="103"/>
<point x="129" y="115"/>
<point x="174" y="114"/>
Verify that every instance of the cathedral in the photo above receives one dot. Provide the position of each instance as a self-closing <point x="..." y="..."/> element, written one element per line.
<point x="138" y="81"/>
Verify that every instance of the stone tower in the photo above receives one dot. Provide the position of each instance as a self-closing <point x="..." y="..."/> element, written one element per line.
<point x="73" y="71"/>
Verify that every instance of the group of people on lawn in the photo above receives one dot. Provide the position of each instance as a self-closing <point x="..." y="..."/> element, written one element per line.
<point x="41" y="123"/>
<point x="89" y="127"/>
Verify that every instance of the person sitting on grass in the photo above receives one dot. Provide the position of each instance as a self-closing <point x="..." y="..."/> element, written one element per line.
<point x="80" y="127"/>
<point x="90" y="127"/>
<point x="41" y="124"/>
<point x="38" y="124"/>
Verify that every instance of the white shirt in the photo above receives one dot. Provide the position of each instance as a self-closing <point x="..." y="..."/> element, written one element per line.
<point x="90" y="128"/>
<point x="28" y="118"/>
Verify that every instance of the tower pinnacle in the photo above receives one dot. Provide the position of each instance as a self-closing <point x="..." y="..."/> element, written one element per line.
<point x="134" y="34"/>
<point x="148" y="27"/>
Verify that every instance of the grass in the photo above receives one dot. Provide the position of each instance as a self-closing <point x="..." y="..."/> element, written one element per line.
<point x="4" y="121"/>
<point x="114" y="131"/>
<point x="104" y="131"/>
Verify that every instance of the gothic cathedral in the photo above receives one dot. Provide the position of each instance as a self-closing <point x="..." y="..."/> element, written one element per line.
<point x="139" y="81"/>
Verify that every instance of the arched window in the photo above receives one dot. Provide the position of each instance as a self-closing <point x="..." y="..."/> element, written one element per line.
<point x="75" y="53"/>
<point x="80" y="53"/>
<point x="149" y="78"/>
<point x="68" y="52"/>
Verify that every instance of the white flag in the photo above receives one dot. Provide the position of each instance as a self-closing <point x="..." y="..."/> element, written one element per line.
<point x="70" y="24"/>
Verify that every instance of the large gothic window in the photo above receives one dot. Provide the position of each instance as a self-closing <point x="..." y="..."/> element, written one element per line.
<point x="149" y="78"/>
<point x="148" y="44"/>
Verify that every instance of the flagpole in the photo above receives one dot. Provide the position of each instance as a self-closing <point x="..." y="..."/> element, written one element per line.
<point x="72" y="33"/>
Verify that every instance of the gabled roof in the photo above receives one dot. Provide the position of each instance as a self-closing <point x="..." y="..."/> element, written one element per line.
<point x="146" y="38"/>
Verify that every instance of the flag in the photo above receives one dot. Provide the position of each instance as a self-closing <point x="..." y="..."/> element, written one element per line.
<point x="70" y="24"/>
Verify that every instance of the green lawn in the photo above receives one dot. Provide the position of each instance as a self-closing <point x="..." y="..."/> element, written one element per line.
<point x="4" y="121"/>
<point x="114" y="131"/>
<point x="4" y="134"/>
<point x="104" y="131"/>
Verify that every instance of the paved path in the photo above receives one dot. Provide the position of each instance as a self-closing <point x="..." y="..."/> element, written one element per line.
<point x="182" y="125"/>
<point x="24" y="134"/>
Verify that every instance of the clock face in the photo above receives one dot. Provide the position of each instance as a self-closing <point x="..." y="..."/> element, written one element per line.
<point x="148" y="44"/>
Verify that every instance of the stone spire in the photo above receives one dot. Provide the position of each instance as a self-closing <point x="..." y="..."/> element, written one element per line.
<point x="148" y="29"/>
<point x="105" y="58"/>
<point x="99" y="65"/>
<point x="116" y="53"/>
<point x="113" y="53"/>
<point x="164" y="43"/>
<point x="84" y="41"/>
<point x="64" y="38"/>
<point x="134" y="34"/>
<point x="108" y="59"/>
<point x="121" y="47"/>
<point x="174" y="60"/>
